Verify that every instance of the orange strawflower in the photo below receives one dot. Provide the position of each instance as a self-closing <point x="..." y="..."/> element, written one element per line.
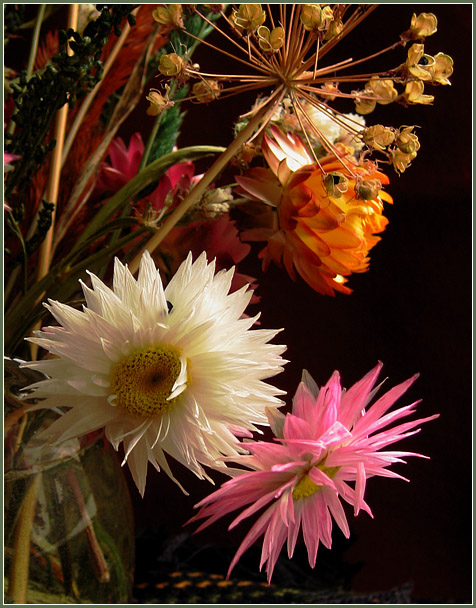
<point x="322" y="218"/>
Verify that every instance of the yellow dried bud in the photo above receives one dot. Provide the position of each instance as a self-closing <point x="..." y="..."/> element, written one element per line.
<point x="171" y="64"/>
<point x="407" y="141"/>
<point x="414" y="93"/>
<point x="368" y="189"/>
<point x="158" y="103"/>
<point x="206" y="91"/>
<point x="335" y="184"/>
<point x="169" y="16"/>
<point x="334" y="29"/>
<point x="401" y="161"/>
<point x="442" y="68"/>
<point x="383" y="89"/>
<point x="418" y="63"/>
<point x="311" y="17"/>
<point x="249" y="16"/>
<point x="378" y="136"/>
<point x="270" y="42"/>
<point x="423" y="25"/>
<point x="364" y="105"/>
<point x="327" y="17"/>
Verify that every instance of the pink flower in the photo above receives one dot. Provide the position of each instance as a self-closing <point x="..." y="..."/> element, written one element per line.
<point x="177" y="180"/>
<point x="332" y="437"/>
<point x="124" y="165"/>
<point x="125" y="162"/>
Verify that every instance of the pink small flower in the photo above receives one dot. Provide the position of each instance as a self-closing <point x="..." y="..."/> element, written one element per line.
<point x="176" y="181"/>
<point x="332" y="437"/>
<point x="125" y="162"/>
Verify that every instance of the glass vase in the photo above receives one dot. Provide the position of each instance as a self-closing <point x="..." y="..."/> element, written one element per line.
<point x="68" y="522"/>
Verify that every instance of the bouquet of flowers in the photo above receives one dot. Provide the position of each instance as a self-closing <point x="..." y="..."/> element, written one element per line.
<point x="122" y="295"/>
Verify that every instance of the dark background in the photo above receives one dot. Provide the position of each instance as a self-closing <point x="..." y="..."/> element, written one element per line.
<point x="412" y="311"/>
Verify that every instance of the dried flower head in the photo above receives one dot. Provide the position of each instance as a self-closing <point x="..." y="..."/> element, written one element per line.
<point x="169" y="16"/>
<point x="282" y="51"/>
<point x="425" y="24"/>
<point x="158" y="102"/>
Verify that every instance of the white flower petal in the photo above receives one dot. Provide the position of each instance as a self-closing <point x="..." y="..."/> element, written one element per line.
<point x="224" y="365"/>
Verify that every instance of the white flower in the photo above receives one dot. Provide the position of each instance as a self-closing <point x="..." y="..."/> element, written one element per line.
<point x="176" y="370"/>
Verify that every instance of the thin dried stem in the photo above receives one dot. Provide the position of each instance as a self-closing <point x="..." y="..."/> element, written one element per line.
<point x="19" y="570"/>
<point x="55" y="169"/>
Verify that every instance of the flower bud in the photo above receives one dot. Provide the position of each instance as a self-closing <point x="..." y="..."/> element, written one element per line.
<point x="442" y="68"/>
<point x="423" y="25"/>
<point x="401" y="161"/>
<point x="249" y="17"/>
<point x="270" y="42"/>
<point x="206" y="91"/>
<point x="171" y="64"/>
<point x="418" y="63"/>
<point x="158" y="103"/>
<point x="378" y="137"/>
<point x="364" y="105"/>
<point x="311" y="17"/>
<point x="367" y="189"/>
<point x="335" y="28"/>
<point x="169" y="16"/>
<point x="414" y="93"/>
<point x="383" y="89"/>
<point x="335" y="184"/>
<point x="407" y="141"/>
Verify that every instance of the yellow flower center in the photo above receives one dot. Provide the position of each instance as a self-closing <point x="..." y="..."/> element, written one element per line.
<point x="306" y="487"/>
<point x="143" y="381"/>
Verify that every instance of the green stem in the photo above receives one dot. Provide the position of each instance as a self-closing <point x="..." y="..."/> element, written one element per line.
<point x="206" y="29"/>
<point x="150" y="141"/>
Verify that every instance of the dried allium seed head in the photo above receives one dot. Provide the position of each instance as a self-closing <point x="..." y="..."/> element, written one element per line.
<point x="158" y="102"/>
<point x="423" y="25"/>
<point x="414" y="93"/>
<point x="206" y="90"/>
<point x="401" y="161"/>
<point x="249" y="17"/>
<point x="171" y="64"/>
<point x="364" y="104"/>
<point x="442" y="68"/>
<point x="367" y="189"/>
<point x="335" y="184"/>
<point x="169" y="16"/>
<point x="419" y="64"/>
<point x="311" y="17"/>
<point x="384" y="90"/>
<point x="378" y="137"/>
<point x="407" y="141"/>
<point x="270" y="41"/>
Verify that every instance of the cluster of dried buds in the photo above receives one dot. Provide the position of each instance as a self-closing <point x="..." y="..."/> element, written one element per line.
<point x="285" y="57"/>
